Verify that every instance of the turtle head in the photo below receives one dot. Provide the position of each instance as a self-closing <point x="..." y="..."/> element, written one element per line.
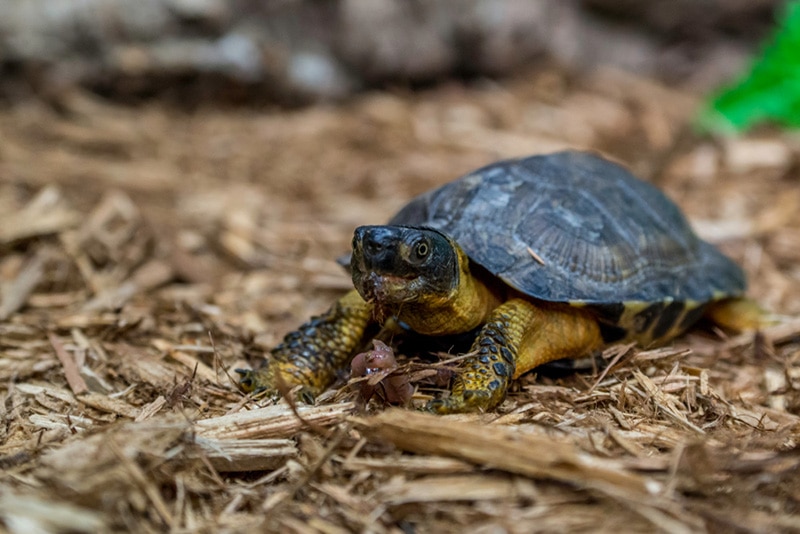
<point x="421" y="276"/>
<point x="396" y="265"/>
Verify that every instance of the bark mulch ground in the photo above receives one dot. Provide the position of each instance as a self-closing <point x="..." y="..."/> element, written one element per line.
<point x="145" y="253"/>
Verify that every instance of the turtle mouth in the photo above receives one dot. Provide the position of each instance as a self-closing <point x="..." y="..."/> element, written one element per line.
<point x="381" y="273"/>
<point x="384" y="289"/>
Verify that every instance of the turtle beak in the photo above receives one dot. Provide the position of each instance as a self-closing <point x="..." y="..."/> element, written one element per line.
<point x="376" y="267"/>
<point x="375" y="248"/>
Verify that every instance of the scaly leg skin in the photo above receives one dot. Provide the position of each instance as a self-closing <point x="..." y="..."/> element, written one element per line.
<point x="312" y="355"/>
<point x="517" y="337"/>
<point x="739" y="315"/>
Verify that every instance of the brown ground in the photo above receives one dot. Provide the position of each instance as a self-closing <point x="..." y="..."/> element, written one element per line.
<point x="144" y="253"/>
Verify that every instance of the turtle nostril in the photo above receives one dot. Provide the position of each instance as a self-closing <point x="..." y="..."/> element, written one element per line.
<point x="376" y="246"/>
<point x="374" y="240"/>
<point x="372" y="246"/>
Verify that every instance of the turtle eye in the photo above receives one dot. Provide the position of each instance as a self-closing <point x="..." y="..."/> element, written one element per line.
<point x="421" y="250"/>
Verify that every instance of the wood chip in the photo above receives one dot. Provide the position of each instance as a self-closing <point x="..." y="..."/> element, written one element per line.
<point x="71" y="372"/>
<point x="16" y="294"/>
<point x="109" y="404"/>
<point x="195" y="366"/>
<point x="25" y="513"/>
<point x="429" y="465"/>
<point x="665" y="402"/>
<point x="271" y="422"/>
<point x="43" y="216"/>
<point x="151" y="409"/>
<point x="504" y="448"/>
<point x="457" y="488"/>
<point x="149" y="276"/>
<point x="230" y="455"/>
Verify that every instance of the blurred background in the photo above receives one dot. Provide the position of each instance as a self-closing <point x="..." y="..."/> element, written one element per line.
<point x="301" y="51"/>
<point x="255" y="135"/>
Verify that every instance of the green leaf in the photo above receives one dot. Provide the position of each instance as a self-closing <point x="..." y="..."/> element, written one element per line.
<point x="770" y="91"/>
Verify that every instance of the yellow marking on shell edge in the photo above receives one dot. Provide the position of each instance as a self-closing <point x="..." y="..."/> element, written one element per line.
<point x="641" y="328"/>
<point x="674" y="330"/>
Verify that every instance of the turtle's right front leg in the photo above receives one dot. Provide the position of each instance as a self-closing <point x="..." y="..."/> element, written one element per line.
<point x="312" y="355"/>
<point x="518" y="337"/>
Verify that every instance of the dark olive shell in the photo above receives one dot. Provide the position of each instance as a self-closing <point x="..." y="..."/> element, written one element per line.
<point x="574" y="227"/>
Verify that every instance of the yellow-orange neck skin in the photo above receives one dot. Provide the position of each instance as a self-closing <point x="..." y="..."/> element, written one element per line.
<point x="465" y="308"/>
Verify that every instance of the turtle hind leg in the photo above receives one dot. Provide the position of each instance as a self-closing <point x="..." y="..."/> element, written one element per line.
<point x="517" y="337"/>
<point x="312" y="355"/>
<point x="739" y="314"/>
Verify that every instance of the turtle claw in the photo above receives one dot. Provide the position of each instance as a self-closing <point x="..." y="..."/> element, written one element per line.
<point x="248" y="381"/>
<point x="254" y="381"/>
<point x="260" y="382"/>
<point x="471" y="400"/>
<point x="306" y="396"/>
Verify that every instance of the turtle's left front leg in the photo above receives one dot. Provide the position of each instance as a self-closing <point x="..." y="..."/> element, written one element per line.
<point x="517" y="337"/>
<point x="315" y="353"/>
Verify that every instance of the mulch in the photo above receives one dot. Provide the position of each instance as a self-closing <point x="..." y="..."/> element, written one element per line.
<point x="146" y="253"/>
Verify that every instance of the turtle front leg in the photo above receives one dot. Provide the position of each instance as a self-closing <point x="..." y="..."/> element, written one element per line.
<point x="517" y="337"/>
<point x="312" y="355"/>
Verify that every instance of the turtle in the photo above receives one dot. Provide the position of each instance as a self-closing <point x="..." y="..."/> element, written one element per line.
<point x="545" y="257"/>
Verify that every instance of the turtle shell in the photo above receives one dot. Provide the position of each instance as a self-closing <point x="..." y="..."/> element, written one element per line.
<point x="574" y="227"/>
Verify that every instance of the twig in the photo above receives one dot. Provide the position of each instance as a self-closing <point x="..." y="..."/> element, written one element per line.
<point x="286" y="393"/>
<point x="608" y="368"/>
<point x="535" y="256"/>
<point x="71" y="372"/>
